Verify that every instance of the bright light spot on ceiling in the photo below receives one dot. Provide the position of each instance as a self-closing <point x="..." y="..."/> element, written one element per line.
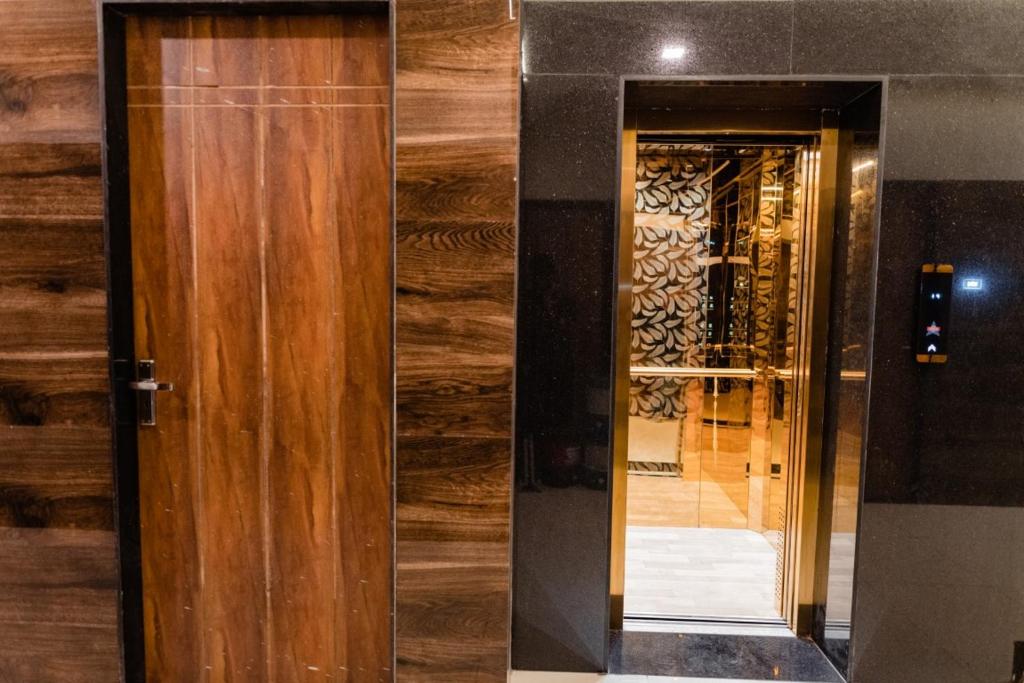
<point x="673" y="52"/>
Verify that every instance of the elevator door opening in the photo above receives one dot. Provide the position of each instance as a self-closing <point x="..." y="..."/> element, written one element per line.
<point x="718" y="270"/>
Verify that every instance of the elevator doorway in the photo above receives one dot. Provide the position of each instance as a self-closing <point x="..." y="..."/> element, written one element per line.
<point x="729" y="259"/>
<point x="717" y="257"/>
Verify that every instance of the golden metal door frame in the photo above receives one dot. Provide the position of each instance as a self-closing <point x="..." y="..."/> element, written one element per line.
<point x="620" y="428"/>
<point x="800" y="589"/>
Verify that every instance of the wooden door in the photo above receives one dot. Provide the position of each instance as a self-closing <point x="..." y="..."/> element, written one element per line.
<point x="261" y="254"/>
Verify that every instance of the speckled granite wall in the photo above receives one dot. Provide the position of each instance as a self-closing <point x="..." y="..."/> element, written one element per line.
<point x="944" y="465"/>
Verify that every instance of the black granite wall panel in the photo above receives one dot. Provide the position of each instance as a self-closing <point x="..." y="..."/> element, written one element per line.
<point x="945" y="444"/>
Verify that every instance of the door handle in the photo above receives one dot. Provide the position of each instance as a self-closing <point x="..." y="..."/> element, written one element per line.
<point x="146" y="385"/>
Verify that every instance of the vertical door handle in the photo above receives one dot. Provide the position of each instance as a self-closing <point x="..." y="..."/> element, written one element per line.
<point x="146" y="385"/>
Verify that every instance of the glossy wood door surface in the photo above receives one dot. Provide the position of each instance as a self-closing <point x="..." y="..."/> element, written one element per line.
<point x="261" y="242"/>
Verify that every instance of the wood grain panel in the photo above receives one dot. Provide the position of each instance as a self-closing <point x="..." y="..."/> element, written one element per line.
<point x="452" y="593"/>
<point x="226" y="51"/>
<point x="457" y="334"/>
<point x="232" y="413"/>
<point x="53" y="322"/>
<point x="79" y="585"/>
<point x="157" y="51"/>
<point x="468" y="401"/>
<point x="456" y="136"/>
<point x="299" y="49"/>
<point x="56" y="477"/>
<point x="456" y="293"/>
<point x="300" y="358"/>
<point x="48" y="83"/>
<point x="52" y="284"/>
<point x="58" y="619"/>
<point x="363" y="319"/>
<point x="50" y="180"/>
<point x="52" y="254"/>
<point x="59" y="652"/>
<point x="58" y="569"/>
<point x="56" y="390"/>
<point x="362" y="52"/>
<point x="162" y="262"/>
<point x="457" y="259"/>
<point x="460" y="182"/>
<point x="454" y="489"/>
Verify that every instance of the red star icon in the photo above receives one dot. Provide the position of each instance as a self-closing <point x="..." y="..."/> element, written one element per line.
<point x="932" y="330"/>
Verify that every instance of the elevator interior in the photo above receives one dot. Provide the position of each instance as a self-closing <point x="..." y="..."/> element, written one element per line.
<point x="717" y="257"/>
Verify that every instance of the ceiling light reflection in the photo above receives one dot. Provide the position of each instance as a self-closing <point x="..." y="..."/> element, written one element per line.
<point x="673" y="52"/>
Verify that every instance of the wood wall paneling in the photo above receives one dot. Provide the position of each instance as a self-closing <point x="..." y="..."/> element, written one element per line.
<point x="456" y="148"/>
<point x="55" y="478"/>
<point x="48" y="79"/>
<point x="53" y="282"/>
<point x="58" y="605"/>
<point x="457" y="95"/>
<point x="58" y="570"/>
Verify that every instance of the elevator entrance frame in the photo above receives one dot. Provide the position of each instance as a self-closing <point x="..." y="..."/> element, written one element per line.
<point x="718" y="111"/>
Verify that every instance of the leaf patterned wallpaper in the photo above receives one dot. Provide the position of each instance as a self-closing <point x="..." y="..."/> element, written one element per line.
<point x="678" y="216"/>
<point x="671" y="221"/>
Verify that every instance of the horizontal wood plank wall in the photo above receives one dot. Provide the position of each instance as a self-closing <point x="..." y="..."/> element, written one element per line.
<point x="457" y="96"/>
<point x="457" y="90"/>
<point x="58" y="570"/>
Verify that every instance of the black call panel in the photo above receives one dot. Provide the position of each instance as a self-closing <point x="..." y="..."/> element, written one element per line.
<point x="931" y="338"/>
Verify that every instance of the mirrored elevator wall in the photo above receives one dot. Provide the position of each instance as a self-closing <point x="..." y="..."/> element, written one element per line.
<point x="716" y="260"/>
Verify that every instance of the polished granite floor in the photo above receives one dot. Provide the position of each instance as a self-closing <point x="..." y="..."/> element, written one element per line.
<point x="720" y="573"/>
<point x="559" y="677"/>
<point x="757" y="658"/>
<point x="660" y="657"/>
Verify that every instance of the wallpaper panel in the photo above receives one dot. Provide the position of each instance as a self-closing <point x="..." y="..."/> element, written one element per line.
<point x="672" y="213"/>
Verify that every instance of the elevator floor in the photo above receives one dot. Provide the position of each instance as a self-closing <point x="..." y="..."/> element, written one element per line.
<point x="674" y="501"/>
<point x="700" y="572"/>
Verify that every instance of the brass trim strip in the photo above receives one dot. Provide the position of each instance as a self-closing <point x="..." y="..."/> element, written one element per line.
<point x="623" y="324"/>
<point x="801" y="589"/>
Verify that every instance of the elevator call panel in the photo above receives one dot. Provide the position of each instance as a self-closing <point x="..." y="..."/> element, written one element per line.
<point x="931" y="337"/>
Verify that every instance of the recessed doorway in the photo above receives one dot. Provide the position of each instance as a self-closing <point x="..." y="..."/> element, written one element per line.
<point x="734" y="222"/>
<point x="723" y="439"/>
<point x="718" y="252"/>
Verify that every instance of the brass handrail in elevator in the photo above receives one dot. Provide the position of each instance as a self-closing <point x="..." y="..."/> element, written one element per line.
<point x="658" y="371"/>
